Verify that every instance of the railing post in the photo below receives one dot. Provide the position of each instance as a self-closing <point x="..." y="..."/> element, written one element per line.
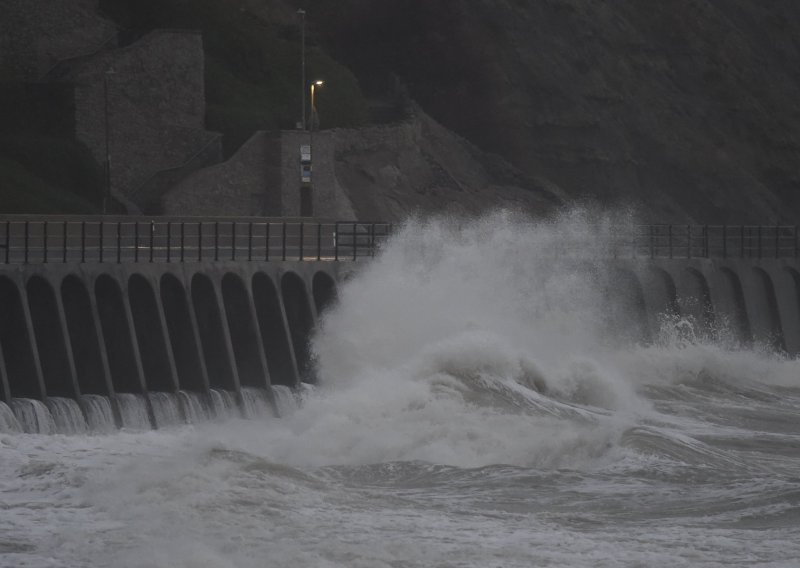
<point x="355" y="242"/>
<point x="319" y="241"/>
<point x="372" y="240"/>
<point x="83" y="241"/>
<point x="688" y="241"/>
<point x="741" y="241"/>
<point x="266" y="243"/>
<point x="44" y="240"/>
<point x="759" y="242"/>
<point x="100" y="241"/>
<point x="183" y="240"/>
<point x="233" y="240"/>
<point x="250" y="241"/>
<point x="669" y="239"/>
<point x="652" y="243"/>
<point x="216" y="240"/>
<point x="283" y="244"/>
<point x="724" y="241"/>
<point x="152" y="238"/>
<point x="64" y="243"/>
<point x="705" y="240"/>
<point x="119" y="242"/>
<point x="136" y="241"/>
<point x="8" y="241"/>
<point x="302" y="238"/>
<point x="26" y="243"/>
<point x="199" y="241"/>
<point x="169" y="241"/>
<point x="336" y="242"/>
<point x="795" y="241"/>
<point x="777" y="241"/>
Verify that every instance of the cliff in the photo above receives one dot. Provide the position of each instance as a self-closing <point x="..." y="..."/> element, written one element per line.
<point x="688" y="109"/>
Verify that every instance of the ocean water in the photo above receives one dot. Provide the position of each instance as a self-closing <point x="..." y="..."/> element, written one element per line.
<point x="477" y="407"/>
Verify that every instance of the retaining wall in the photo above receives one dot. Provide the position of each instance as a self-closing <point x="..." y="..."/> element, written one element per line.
<point x="106" y="329"/>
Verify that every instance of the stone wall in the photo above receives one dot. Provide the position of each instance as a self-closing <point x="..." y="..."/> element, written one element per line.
<point x="388" y="172"/>
<point x="153" y="91"/>
<point x="379" y="173"/>
<point x="247" y="184"/>
<point x="36" y="34"/>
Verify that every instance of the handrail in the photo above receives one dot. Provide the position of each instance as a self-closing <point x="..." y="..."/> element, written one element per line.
<point x="26" y="240"/>
<point x="35" y="239"/>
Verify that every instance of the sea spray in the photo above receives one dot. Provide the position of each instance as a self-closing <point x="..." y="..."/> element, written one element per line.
<point x="470" y="343"/>
<point x="285" y="401"/>
<point x="257" y="403"/>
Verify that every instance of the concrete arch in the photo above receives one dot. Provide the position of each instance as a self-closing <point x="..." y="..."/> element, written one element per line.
<point x="274" y="331"/>
<point x="736" y="310"/>
<point x="117" y="335"/>
<point x="772" y="331"/>
<point x="15" y="341"/>
<point x="324" y="290"/>
<point x="212" y="336"/>
<point x="181" y="330"/>
<point x="791" y="310"/>
<point x="299" y="318"/>
<point x="627" y="308"/>
<point x="247" y="350"/>
<point x="57" y="369"/>
<point x="83" y="337"/>
<point x="150" y="335"/>
<point x="695" y="300"/>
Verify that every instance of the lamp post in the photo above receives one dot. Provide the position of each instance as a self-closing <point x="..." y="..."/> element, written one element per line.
<point x="107" y="194"/>
<point x="307" y="188"/>
<point x="302" y="14"/>
<point x="314" y="115"/>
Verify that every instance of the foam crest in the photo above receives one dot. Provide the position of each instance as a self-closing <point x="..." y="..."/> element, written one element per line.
<point x="468" y="343"/>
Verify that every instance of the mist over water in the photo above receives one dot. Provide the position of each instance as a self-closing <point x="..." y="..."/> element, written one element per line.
<point x="483" y="400"/>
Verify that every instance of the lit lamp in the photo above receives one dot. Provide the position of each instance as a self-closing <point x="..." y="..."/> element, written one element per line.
<point x="306" y="157"/>
<point x="314" y="115"/>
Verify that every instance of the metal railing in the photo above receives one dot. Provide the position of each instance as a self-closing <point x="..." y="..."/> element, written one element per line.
<point x="32" y="241"/>
<point x="710" y="241"/>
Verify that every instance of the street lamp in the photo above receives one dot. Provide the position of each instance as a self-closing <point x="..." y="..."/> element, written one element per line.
<point x="314" y="115"/>
<point x="307" y="186"/>
<point x="302" y="14"/>
<point x="107" y="125"/>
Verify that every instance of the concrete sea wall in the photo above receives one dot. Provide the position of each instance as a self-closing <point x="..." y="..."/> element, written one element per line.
<point x="751" y="301"/>
<point x="113" y="329"/>
<point x="73" y="331"/>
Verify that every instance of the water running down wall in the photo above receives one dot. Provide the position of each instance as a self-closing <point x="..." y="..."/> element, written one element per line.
<point x="88" y="348"/>
<point x="150" y="345"/>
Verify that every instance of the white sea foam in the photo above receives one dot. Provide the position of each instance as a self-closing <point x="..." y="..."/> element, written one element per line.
<point x="476" y="408"/>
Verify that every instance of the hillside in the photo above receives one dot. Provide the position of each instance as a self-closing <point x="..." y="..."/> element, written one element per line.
<point x="689" y="108"/>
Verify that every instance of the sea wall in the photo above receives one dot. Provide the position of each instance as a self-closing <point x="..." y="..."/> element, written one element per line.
<point x="139" y="329"/>
<point x="745" y="301"/>
<point x="153" y="330"/>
